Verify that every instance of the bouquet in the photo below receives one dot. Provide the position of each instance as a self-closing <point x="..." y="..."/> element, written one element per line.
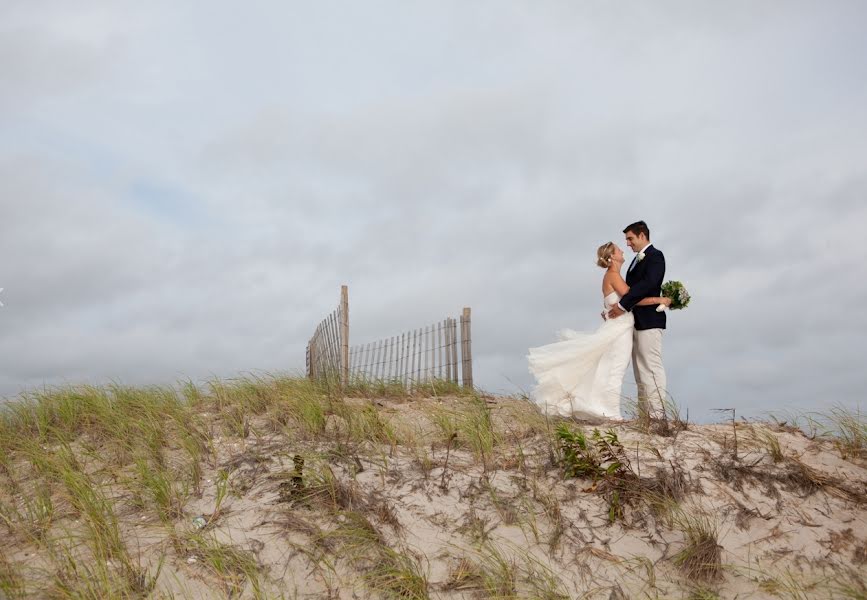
<point x="678" y="294"/>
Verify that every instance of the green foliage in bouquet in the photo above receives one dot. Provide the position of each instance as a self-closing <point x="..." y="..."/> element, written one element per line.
<point x="677" y="292"/>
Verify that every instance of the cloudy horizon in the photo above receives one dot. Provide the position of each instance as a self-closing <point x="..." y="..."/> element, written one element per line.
<point x="184" y="191"/>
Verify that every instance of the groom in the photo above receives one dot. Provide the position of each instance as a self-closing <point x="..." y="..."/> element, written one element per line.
<point x="644" y="278"/>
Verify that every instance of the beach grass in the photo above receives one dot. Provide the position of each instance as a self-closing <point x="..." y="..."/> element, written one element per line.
<point x="253" y="486"/>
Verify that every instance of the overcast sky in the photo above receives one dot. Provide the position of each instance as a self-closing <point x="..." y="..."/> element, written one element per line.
<point x="185" y="186"/>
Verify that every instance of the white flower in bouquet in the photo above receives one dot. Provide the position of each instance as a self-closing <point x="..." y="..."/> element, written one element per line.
<point x="677" y="292"/>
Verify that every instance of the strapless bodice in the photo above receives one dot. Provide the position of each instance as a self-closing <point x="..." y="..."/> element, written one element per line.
<point x="611" y="300"/>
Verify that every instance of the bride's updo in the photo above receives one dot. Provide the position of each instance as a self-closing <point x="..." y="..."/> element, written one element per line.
<point x="604" y="254"/>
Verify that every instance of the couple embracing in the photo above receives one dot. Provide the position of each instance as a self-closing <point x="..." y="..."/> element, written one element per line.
<point x="581" y="375"/>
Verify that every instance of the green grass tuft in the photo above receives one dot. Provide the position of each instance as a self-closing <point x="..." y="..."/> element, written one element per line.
<point x="700" y="559"/>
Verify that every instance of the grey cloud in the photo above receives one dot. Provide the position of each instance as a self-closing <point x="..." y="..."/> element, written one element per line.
<point x="432" y="157"/>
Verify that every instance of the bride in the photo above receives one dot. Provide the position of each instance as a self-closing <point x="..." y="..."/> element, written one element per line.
<point x="581" y="374"/>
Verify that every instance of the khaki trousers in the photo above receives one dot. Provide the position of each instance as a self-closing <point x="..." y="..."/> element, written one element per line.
<point x="649" y="372"/>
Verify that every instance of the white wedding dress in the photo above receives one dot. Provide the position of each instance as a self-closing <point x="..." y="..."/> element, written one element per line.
<point x="581" y="375"/>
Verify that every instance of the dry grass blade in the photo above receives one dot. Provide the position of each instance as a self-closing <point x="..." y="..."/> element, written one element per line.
<point x="493" y="572"/>
<point x="12" y="584"/>
<point x="848" y="428"/>
<point x="233" y="567"/>
<point x="701" y="557"/>
<point x="395" y="575"/>
<point x="469" y="423"/>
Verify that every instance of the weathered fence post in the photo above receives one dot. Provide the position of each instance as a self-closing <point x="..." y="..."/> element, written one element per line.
<point x="311" y="351"/>
<point x="344" y="335"/>
<point x="466" y="349"/>
<point x="454" y="326"/>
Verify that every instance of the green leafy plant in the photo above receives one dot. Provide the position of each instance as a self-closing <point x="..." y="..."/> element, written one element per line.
<point x="597" y="456"/>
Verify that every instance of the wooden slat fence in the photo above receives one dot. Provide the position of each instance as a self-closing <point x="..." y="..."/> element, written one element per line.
<point x="327" y="350"/>
<point x="439" y="351"/>
<point x="412" y="357"/>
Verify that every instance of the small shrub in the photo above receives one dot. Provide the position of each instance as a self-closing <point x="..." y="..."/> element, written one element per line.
<point x="598" y="456"/>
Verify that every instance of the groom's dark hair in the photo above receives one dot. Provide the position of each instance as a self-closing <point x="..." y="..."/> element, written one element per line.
<point x="638" y="228"/>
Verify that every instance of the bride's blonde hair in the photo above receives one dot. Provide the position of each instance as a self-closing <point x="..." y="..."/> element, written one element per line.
<point x="603" y="255"/>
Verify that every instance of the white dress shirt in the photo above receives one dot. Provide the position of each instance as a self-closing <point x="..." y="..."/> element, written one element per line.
<point x="632" y="266"/>
<point x="635" y="260"/>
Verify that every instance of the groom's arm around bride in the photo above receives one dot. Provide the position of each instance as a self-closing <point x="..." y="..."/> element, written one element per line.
<point x="644" y="279"/>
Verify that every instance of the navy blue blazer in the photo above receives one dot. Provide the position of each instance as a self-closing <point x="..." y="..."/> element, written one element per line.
<point x="643" y="281"/>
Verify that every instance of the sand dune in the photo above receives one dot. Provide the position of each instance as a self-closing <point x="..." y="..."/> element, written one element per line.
<point x="445" y="496"/>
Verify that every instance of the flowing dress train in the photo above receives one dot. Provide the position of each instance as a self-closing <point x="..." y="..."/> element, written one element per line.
<point x="581" y="375"/>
